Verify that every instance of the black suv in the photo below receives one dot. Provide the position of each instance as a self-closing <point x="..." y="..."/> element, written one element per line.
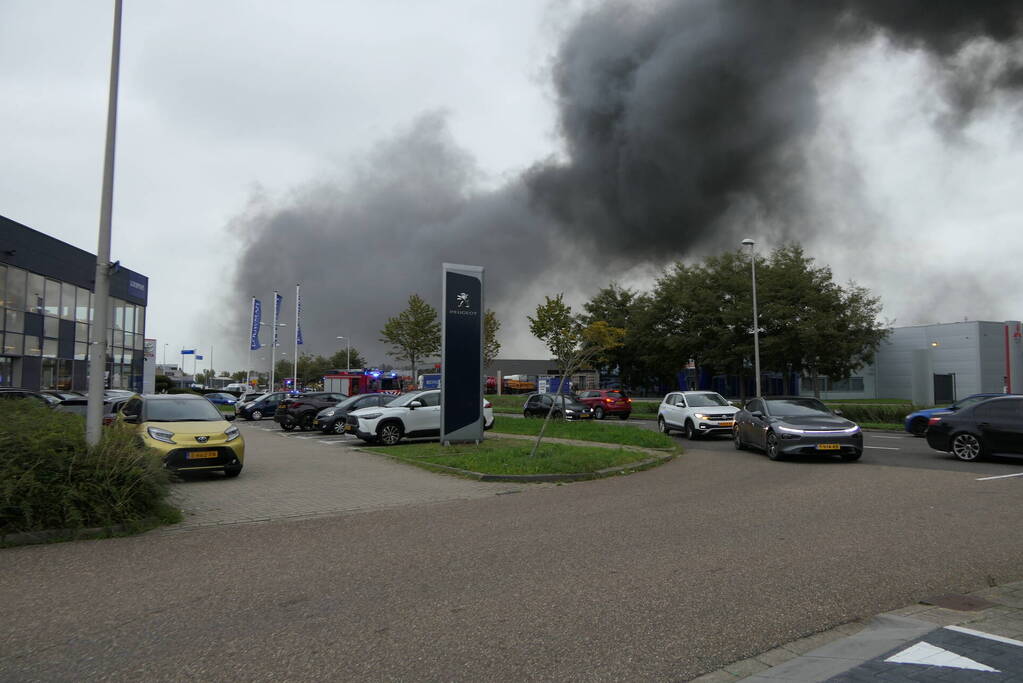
<point x="300" y="411"/>
<point x="566" y="406"/>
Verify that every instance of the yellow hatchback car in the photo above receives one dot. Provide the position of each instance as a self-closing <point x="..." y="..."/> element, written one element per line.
<point x="190" y="432"/>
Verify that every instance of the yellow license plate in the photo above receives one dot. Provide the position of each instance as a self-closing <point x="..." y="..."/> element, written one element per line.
<point x="348" y="428"/>
<point x="316" y="422"/>
<point x="584" y="416"/>
<point x="199" y="455"/>
<point x="726" y="424"/>
<point x="828" y="447"/>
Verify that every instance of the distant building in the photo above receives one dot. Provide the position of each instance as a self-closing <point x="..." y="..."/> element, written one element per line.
<point x="46" y="291"/>
<point x="932" y="364"/>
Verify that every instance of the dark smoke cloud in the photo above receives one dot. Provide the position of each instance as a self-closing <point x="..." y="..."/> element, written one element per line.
<point x="681" y="123"/>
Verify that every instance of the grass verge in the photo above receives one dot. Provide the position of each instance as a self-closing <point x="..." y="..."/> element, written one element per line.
<point x="511" y="456"/>
<point x="587" y="430"/>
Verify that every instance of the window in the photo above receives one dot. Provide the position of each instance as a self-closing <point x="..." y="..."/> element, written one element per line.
<point x="49" y="348"/>
<point x="3" y="291"/>
<point x="140" y="320"/>
<point x="82" y="312"/>
<point x="51" y="327"/>
<point x="48" y="379"/>
<point x="52" y="296"/>
<point x="81" y="351"/>
<point x="33" y="345"/>
<point x="35" y="300"/>
<point x="1008" y="410"/>
<point x="81" y="332"/>
<point x="13" y="344"/>
<point x="67" y="301"/>
<point x="15" y="321"/>
<point x="755" y="405"/>
<point x="129" y="318"/>
<point x="16" y="288"/>
<point x="6" y="372"/>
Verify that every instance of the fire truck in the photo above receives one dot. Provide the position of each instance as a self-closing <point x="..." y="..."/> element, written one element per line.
<point x="369" y="381"/>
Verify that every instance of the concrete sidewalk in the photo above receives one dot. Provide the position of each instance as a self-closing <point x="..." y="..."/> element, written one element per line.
<point x="978" y="636"/>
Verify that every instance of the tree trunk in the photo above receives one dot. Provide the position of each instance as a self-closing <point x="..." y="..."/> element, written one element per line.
<point x="816" y="384"/>
<point x="543" y="428"/>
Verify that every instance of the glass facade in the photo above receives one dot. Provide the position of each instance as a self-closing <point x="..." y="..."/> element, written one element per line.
<point x="44" y="334"/>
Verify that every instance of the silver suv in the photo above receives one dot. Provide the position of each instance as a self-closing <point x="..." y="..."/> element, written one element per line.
<point x="696" y="413"/>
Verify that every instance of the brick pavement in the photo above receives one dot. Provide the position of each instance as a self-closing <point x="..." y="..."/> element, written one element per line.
<point x="307" y="475"/>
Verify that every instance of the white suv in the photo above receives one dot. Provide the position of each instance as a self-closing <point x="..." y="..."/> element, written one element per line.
<point x="696" y="413"/>
<point x="415" y="414"/>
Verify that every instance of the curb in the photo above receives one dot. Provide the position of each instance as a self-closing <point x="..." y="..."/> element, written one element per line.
<point x="47" y="535"/>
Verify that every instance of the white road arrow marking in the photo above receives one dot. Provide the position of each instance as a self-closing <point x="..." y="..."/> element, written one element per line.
<point x="929" y="655"/>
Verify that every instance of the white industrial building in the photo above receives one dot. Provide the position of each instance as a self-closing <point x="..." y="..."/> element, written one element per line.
<point x="936" y="364"/>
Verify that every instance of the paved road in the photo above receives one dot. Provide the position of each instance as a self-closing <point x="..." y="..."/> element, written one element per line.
<point x="664" y="574"/>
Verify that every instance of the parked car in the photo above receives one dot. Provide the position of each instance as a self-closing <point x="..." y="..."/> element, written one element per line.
<point x="794" y="425"/>
<point x="237" y="388"/>
<point x="990" y="427"/>
<point x="260" y="406"/>
<point x="300" y="411"/>
<point x="565" y="406"/>
<point x="603" y="402"/>
<point x="415" y="414"/>
<point x="15" y="394"/>
<point x="332" y="419"/>
<point x="63" y="395"/>
<point x="916" y="423"/>
<point x="221" y="399"/>
<point x="696" y="413"/>
<point x="79" y="406"/>
<point x="189" y="432"/>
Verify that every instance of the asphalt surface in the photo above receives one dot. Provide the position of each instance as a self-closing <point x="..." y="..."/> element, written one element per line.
<point x="664" y="574"/>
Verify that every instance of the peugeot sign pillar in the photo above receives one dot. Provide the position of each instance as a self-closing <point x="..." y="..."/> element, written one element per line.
<point x="461" y="397"/>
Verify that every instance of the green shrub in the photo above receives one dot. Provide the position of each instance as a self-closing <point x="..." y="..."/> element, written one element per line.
<point x="51" y="479"/>
<point x="880" y="413"/>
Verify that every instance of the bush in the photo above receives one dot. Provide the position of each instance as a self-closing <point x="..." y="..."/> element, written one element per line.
<point x="51" y="479"/>
<point x="876" y="413"/>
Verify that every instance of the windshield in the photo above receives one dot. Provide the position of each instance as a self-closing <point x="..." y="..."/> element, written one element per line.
<point x="406" y="399"/>
<point x="181" y="410"/>
<point x="787" y="407"/>
<point x="705" y="400"/>
<point x="259" y="398"/>
<point x="969" y="401"/>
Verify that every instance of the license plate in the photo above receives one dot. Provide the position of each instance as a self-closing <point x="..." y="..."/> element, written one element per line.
<point x="316" y="423"/>
<point x="199" y="455"/>
<point x="828" y="447"/>
<point x="348" y="428"/>
<point x="726" y="424"/>
<point x="584" y="416"/>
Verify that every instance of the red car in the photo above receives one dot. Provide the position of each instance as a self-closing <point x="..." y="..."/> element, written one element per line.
<point x="606" y="402"/>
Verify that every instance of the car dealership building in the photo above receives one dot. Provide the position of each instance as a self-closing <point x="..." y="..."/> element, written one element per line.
<point x="46" y="300"/>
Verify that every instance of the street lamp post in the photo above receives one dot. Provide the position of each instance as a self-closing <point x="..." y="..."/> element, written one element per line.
<point x="348" y="353"/>
<point x="756" y="320"/>
<point x="273" y="352"/>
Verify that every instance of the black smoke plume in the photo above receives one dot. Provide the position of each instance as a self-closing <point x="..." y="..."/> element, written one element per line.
<point x="681" y="122"/>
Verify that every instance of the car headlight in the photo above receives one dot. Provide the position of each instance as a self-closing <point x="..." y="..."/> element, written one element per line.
<point x="232" y="433"/>
<point x="370" y="416"/>
<point x="160" y="434"/>
<point x="701" y="416"/>
<point x="327" y="413"/>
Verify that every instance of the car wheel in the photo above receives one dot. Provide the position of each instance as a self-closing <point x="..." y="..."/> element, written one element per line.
<point x="287" y="425"/>
<point x="773" y="450"/>
<point x="525" y="413"/>
<point x="623" y="416"/>
<point x="966" y="447"/>
<point x="257" y="414"/>
<point x="305" y="423"/>
<point x="852" y="457"/>
<point x="690" y="430"/>
<point x="918" y="427"/>
<point x="389" y="433"/>
<point x="737" y="440"/>
<point x="232" y="472"/>
<point x="598" y="413"/>
<point x="662" y="426"/>
<point x="556" y="415"/>
<point x="339" y="427"/>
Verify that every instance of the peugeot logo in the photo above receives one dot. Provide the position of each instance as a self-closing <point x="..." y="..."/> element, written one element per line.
<point x="463" y="300"/>
<point x="202" y="439"/>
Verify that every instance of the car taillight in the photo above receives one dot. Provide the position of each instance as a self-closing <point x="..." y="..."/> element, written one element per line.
<point x="933" y="421"/>
<point x="107" y="421"/>
<point x="629" y="400"/>
<point x="609" y="400"/>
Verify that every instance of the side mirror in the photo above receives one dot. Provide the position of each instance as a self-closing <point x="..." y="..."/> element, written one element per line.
<point x="837" y="412"/>
<point x="230" y="417"/>
<point x="415" y="404"/>
<point x="131" y="419"/>
<point x="757" y="414"/>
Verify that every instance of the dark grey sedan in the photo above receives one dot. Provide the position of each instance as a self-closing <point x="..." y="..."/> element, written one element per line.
<point x="793" y="425"/>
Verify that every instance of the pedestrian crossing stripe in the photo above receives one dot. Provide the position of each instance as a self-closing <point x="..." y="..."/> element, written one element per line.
<point x="928" y="655"/>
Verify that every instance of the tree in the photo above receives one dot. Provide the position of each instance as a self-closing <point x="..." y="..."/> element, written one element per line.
<point x="239" y="376"/>
<point x="340" y="359"/>
<point x="628" y="310"/>
<point x="282" y="370"/>
<point x="491" y="347"/>
<point x="413" y="334"/>
<point x="572" y="342"/>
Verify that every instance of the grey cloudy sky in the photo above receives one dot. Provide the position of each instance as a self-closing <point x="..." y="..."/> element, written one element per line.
<point x="262" y="144"/>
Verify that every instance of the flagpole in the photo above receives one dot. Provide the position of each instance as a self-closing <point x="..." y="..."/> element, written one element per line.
<point x="273" y="344"/>
<point x="298" y="312"/>
<point x="252" y="323"/>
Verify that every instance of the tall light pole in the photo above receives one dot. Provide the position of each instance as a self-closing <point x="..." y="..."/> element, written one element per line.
<point x="348" y="358"/>
<point x="273" y="351"/>
<point x="756" y="321"/>
<point x="101" y="294"/>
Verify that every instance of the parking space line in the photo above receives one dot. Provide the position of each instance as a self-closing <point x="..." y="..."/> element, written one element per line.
<point x="1001" y="476"/>
<point x="883" y="448"/>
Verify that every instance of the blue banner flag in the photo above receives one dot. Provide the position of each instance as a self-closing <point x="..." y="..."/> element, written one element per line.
<point x="185" y="352"/>
<point x="277" y="314"/>
<point x="298" y="317"/>
<point x="257" y="316"/>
